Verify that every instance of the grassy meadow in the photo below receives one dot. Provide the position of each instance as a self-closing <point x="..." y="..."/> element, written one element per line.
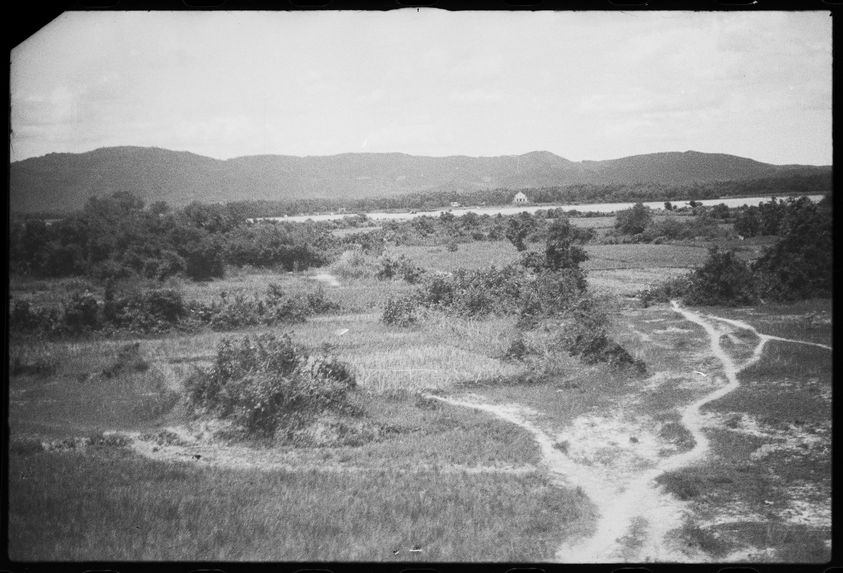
<point x="435" y="482"/>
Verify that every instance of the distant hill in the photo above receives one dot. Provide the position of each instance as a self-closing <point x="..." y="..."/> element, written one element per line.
<point x="61" y="182"/>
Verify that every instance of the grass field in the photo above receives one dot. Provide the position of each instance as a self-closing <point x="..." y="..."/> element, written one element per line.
<point x="455" y="483"/>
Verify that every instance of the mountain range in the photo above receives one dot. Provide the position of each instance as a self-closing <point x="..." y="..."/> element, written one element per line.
<point x="62" y="182"/>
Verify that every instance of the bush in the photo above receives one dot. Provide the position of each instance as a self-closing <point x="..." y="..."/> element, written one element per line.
<point x="722" y="280"/>
<point x="354" y="264"/>
<point x="81" y="313"/>
<point x="633" y="221"/>
<point x="23" y="318"/>
<point x="586" y="337"/>
<point x="238" y="309"/>
<point x="517" y="350"/>
<point x="800" y="264"/>
<point x="151" y="310"/>
<point x="400" y="311"/>
<point x="203" y="259"/>
<point x="128" y="359"/>
<point x="387" y="267"/>
<point x="668" y="290"/>
<point x="266" y="384"/>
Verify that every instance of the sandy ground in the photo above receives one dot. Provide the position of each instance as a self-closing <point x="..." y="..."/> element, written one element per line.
<point x="615" y="457"/>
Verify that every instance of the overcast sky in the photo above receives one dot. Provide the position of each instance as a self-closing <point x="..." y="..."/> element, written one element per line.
<point x="595" y="85"/>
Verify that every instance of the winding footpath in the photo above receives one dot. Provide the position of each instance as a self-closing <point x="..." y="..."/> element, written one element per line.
<point x="634" y="515"/>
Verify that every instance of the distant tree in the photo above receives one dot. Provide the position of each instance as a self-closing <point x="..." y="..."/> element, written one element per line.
<point x="771" y="214"/>
<point x="519" y="228"/>
<point x="720" y="211"/>
<point x="633" y="221"/>
<point x="560" y="250"/>
<point x="723" y="279"/>
<point x="748" y="222"/>
<point x="800" y="264"/>
<point x="668" y="206"/>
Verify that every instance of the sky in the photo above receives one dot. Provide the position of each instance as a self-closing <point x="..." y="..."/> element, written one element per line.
<point x="583" y="85"/>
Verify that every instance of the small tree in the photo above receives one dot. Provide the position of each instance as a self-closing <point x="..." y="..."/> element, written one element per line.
<point x="633" y="221"/>
<point x="800" y="264"/>
<point x="723" y="279"/>
<point x="560" y="250"/>
<point x="519" y="228"/>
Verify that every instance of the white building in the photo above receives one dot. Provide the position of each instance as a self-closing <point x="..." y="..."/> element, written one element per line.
<point x="520" y="198"/>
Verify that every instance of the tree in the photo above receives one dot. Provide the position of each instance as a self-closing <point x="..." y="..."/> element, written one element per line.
<point x="748" y="222"/>
<point x="800" y="264"/>
<point x="633" y="221"/>
<point x="519" y="228"/>
<point x="723" y="279"/>
<point x="560" y="250"/>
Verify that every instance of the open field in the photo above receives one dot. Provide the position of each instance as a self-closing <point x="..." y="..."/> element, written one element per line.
<point x="719" y="452"/>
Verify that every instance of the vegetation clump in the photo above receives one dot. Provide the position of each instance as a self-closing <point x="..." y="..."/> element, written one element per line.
<point x="400" y="311"/>
<point x="266" y="385"/>
<point x="797" y="266"/>
<point x="159" y="310"/>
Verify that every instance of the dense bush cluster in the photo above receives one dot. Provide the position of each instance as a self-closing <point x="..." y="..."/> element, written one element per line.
<point x="158" y="310"/>
<point x="448" y="230"/>
<point x="118" y="237"/>
<point x="266" y="385"/>
<point x="638" y="225"/>
<point x="400" y="311"/>
<point x="402" y="267"/>
<point x="548" y="285"/>
<point x="775" y="216"/>
<point x="798" y="266"/>
<point x="585" y="335"/>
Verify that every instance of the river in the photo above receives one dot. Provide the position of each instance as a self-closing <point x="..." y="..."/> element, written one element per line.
<point x="514" y="209"/>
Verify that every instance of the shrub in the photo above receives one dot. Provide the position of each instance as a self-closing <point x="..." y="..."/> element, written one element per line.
<point x="550" y="294"/>
<point x="800" y="264"/>
<point x="150" y="310"/>
<point x="410" y="272"/>
<point x="81" y="313"/>
<point x="265" y="384"/>
<point x="723" y="279"/>
<point x="633" y="221"/>
<point x="400" y="311"/>
<point x="667" y="290"/>
<point x="354" y="264"/>
<point x="203" y="259"/>
<point x="128" y="359"/>
<point x="387" y="267"/>
<point x="585" y="336"/>
<point x="517" y="350"/>
<point x="560" y="251"/>
<point x="238" y="309"/>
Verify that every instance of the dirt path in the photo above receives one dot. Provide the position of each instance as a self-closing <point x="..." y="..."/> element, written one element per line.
<point x="186" y="445"/>
<point x="635" y="516"/>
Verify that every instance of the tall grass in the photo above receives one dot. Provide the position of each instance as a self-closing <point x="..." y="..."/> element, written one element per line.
<point x="125" y="508"/>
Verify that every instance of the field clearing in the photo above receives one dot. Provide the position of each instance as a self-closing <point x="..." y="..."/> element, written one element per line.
<point x="457" y="483"/>
<point x="192" y="513"/>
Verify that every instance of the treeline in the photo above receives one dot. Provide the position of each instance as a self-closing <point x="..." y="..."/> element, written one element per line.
<point x="565" y="194"/>
<point x="119" y="237"/>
